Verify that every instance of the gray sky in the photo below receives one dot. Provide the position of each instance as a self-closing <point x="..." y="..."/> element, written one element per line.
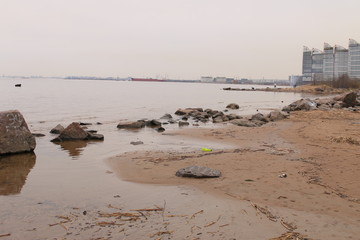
<point x="179" y="39"/>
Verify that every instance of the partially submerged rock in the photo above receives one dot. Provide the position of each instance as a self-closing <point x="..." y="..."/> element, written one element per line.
<point x="58" y="129"/>
<point x="15" y="136"/>
<point x="233" y="106"/>
<point x="198" y="172"/>
<point x="131" y="125"/>
<point x="75" y="132"/>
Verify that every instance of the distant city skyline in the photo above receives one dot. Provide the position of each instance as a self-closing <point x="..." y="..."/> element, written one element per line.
<point x="169" y="39"/>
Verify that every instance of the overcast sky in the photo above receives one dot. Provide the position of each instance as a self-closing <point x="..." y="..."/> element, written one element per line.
<point x="178" y="39"/>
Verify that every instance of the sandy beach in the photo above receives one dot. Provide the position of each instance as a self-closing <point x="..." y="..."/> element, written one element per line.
<point x="317" y="150"/>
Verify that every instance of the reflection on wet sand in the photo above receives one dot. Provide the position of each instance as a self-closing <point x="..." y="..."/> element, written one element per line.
<point x="14" y="170"/>
<point x="74" y="148"/>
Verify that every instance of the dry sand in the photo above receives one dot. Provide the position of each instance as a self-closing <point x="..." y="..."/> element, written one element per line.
<point x="318" y="150"/>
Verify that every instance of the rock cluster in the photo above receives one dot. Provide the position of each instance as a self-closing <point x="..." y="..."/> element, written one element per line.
<point x="15" y="136"/>
<point x="347" y="100"/>
<point x="75" y="132"/>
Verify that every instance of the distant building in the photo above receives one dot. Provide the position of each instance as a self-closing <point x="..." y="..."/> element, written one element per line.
<point x="207" y="79"/>
<point x="220" y="80"/>
<point x="332" y="62"/>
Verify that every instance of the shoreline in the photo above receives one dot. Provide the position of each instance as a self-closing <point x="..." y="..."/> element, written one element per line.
<point x="307" y="147"/>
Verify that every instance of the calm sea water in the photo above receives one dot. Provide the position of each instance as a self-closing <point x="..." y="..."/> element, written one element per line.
<point x="34" y="188"/>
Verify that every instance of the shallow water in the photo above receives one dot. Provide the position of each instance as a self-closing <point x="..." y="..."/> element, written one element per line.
<point x="36" y="187"/>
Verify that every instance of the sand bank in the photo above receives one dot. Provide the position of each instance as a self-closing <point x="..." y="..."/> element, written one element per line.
<point x="318" y="151"/>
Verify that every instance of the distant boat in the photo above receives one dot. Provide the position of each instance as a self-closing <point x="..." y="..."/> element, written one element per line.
<point x="18" y="85"/>
<point x="146" y="80"/>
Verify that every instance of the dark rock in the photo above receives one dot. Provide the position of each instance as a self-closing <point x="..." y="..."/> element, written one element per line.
<point x="182" y="123"/>
<point x="58" y="129"/>
<point x="137" y="143"/>
<point x="38" y="134"/>
<point x="160" y="129"/>
<point x="95" y="136"/>
<point x="98" y="123"/>
<point x="259" y="117"/>
<point x="75" y="132"/>
<point x="15" y="136"/>
<point x="233" y="116"/>
<point x="233" y="106"/>
<point x="172" y="121"/>
<point x="131" y="125"/>
<point x="349" y="99"/>
<point x="243" y="123"/>
<point x="153" y="123"/>
<point x="198" y="172"/>
<point x="84" y="124"/>
<point x="302" y="104"/>
<point x="187" y="111"/>
<point x="184" y="118"/>
<point x="277" y="115"/>
<point x="166" y="116"/>
<point x="18" y="85"/>
<point x="92" y="131"/>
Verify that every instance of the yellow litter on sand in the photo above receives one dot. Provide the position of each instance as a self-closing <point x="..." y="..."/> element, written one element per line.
<point x="206" y="149"/>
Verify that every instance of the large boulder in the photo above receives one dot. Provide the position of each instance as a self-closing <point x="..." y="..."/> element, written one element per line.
<point x="58" y="129"/>
<point x="131" y="125"/>
<point x="198" y="172"/>
<point x="15" y="136"/>
<point x="75" y="132"/>
<point x="349" y="99"/>
<point x="277" y="115"/>
<point x="259" y="117"/>
<point x="302" y="104"/>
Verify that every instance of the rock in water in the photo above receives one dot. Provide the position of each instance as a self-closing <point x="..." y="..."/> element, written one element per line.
<point x="15" y="136"/>
<point x="198" y="172"/>
<point x="75" y="132"/>
<point x="233" y="106"/>
<point x="58" y="129"/>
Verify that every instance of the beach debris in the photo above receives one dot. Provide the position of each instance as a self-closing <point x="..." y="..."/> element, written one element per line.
<point x="233" y="106"/>
<point x="288" y="226"/>
<point x="291" y="236"/>
<point x="265" y="211"/>
<point x="198" y="172"/>
<point x="213" y="222"/>
<point x="161" y="233"/>
<point x="15" y="136"/>
<point x="194" y="215"/>
<point x="57" y="129"/>
<point x="283" y="175"/>
<point x="206" y="149"/>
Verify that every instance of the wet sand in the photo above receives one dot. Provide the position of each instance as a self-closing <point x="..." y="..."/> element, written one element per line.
<point x="318" y="151"/>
